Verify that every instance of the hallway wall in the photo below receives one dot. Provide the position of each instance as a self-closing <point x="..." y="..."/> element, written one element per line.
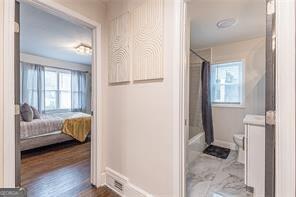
<point x="139" y="118"/>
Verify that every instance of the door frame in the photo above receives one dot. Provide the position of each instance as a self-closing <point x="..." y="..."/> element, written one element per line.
<point x="179" y="104"/>
<point x="285" y="99"/>
<point x="9" y="86"/>
<point x="285" y="148"/>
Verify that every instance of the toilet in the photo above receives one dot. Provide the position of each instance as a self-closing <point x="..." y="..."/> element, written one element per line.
<point x="239" y="141"/>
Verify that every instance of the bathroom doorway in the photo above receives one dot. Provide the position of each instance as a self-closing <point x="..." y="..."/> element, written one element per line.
<point x="230" y="87"/>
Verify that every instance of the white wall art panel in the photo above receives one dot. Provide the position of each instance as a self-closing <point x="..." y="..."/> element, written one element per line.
<point x="147" y="40"/>
<point x="119" y="68"/>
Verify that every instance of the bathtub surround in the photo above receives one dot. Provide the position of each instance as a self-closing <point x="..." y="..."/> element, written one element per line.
<point x="195" y="115"/>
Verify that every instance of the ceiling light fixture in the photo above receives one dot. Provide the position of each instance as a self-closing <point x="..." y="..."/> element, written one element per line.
<point x="226" y="23"/>
<point x="83" y="49"/>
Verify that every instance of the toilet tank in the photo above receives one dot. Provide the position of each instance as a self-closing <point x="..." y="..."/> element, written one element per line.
<point x="255" y="154"/>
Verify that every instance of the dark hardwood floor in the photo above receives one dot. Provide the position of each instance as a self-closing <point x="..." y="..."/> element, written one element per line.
<point x="60" y="170"/>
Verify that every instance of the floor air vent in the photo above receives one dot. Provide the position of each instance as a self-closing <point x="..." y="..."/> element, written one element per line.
<point x="118" y="185"/>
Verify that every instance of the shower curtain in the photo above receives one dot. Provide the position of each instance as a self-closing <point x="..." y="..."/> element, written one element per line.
<point x="206" y="103"/>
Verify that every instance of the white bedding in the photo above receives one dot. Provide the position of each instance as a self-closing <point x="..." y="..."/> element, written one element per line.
<point x="47" y="124"/>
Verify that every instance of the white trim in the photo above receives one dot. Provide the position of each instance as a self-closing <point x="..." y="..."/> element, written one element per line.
<point x="8" y="89"/>
<point x="179" y="75"/>
<point x="97" y="107"/>
<point x="199" y="138"/>
<point x="9" y="139"/>
<point x="225" y="144"/>
<point x="285" y="99"/>
<point x="129" y="189"/>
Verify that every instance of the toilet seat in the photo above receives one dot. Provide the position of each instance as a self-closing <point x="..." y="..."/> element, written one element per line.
<point x="239" y="139"/>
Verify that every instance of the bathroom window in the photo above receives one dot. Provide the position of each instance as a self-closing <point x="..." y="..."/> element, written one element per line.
<point x="227" y="83"/>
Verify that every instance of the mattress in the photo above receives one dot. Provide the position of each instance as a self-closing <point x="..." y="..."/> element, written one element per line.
<point x="48" y="123"/>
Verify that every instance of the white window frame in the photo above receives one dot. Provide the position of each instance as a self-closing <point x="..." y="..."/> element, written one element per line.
<point x="242" y="102"/>
<point x="58" y="109"/>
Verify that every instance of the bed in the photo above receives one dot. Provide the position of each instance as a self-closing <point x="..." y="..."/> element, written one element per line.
<point x="47" y="130"/>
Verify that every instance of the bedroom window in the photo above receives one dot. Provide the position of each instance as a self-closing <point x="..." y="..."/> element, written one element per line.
<point x="227" y="83"/>
<point x="57" y="90"/>
<point x="53" y="90"/>
<point x="65" y="90"/>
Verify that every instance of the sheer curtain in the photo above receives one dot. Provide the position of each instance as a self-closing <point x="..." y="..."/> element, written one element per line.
<point x="80" y="91"/>
<point x="32" y="84"/>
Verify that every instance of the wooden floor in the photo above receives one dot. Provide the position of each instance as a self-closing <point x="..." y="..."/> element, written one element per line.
<point x="60" y="170"/>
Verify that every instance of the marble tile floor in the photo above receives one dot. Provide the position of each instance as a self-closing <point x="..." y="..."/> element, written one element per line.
<point x="209" y="176"/>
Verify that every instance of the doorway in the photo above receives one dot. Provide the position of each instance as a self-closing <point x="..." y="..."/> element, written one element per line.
<point x="208" y="44"/>
<point x="11" y="165"/>
<point x="55" y="102"/>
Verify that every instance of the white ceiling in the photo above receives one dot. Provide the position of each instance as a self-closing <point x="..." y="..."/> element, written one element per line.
<point x="49" y="36"/>
<point x="205" y="14"/>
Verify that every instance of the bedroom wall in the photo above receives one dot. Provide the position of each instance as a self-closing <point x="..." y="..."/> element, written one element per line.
<point x="229" y="120"/>
<point x="34" y="59"/>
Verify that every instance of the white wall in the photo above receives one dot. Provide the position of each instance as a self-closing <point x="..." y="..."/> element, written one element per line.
<point x="139" y="120"/>
<point x="34" y="59"/>
<point x="1" y="92"/>
<point x="227" y="120"/>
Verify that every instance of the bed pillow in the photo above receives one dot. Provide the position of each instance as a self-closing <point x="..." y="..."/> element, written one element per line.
<point x="27" y="112"/>
<point x="36" y="114"/>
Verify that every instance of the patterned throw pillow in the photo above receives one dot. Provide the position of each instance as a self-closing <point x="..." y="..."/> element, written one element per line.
<point x="27" y="112"/>
<point x="36" y="114"/>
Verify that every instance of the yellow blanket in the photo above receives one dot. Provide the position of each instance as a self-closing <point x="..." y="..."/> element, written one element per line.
<point x="78" y="128"/>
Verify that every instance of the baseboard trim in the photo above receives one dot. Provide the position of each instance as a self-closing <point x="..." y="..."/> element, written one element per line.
<point x="110" y="176"/>
<point x="225" y="144"/>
